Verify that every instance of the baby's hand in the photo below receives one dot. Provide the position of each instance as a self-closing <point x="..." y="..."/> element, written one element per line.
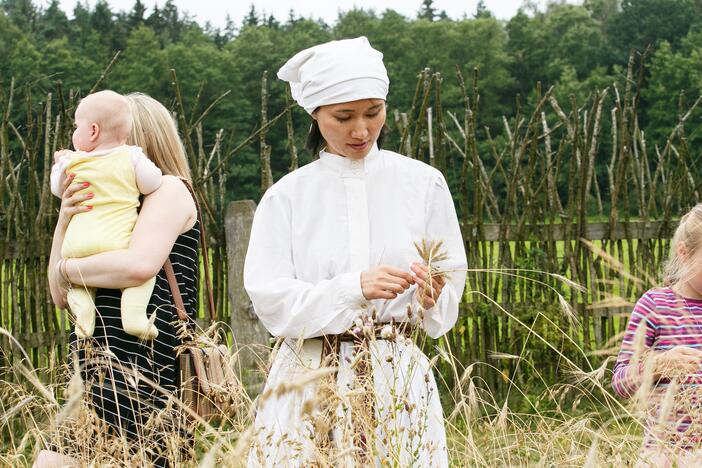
<point x="59" y="153"/>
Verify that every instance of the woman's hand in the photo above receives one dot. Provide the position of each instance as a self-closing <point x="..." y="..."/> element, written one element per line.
<point x="428" y="292"/>
<point x="71" y="200"/>
<point x="70" y="205"/>
<point x="676" y="361"/>
<point x="385" y="282"/>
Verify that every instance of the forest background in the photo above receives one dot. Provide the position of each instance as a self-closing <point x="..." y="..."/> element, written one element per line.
<point x="577" y="47"/>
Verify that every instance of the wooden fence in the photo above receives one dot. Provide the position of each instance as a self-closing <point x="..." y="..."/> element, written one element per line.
<point x="484" y="330"/>
<point x="529" y="195"/>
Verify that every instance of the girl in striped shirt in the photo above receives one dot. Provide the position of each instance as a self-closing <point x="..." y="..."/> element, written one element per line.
<point x="660" y="361"/>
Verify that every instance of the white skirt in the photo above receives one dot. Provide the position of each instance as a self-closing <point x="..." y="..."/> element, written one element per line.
<point x="409" y="421"/>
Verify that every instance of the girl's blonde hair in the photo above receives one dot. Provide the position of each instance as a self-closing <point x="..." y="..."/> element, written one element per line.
<point x="155" y="131"/>
<point x="688" y="233"/>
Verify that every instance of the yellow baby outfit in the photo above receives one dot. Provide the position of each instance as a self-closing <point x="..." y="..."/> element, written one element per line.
<point x="108" y="226"/>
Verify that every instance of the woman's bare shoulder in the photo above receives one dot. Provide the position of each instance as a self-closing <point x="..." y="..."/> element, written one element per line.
<point x="174" y="196"/>
<point x="173" y="186"/>
<point x="173" y="181"/>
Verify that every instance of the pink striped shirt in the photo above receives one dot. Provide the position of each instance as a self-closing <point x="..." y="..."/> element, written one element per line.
<point x="667" y="320"/>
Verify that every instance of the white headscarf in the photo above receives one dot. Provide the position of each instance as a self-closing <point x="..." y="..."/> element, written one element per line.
<point x="334" y="72"/>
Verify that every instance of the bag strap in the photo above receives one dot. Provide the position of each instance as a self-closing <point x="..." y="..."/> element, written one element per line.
<point x="170" y="274"/>
<point x="175" y="290"/>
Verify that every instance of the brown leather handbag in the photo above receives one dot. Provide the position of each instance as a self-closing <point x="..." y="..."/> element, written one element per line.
<point x="208" y="384"/>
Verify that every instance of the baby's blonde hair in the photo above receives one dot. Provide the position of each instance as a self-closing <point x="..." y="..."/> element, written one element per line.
<point x="110" y="110"/>
<point x="155" y="131"/>
<point x="689" y="234"/>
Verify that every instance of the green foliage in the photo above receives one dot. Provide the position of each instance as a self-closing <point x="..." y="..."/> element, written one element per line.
<point x="648" y="22"/>
<point x="20" y="58"/>
<point x="675" y="82"/>
<point x="577" y="48"/>
<point x="143" y="65"/>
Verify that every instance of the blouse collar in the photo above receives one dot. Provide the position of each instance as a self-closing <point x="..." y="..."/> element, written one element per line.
<point x="348" y="167"/>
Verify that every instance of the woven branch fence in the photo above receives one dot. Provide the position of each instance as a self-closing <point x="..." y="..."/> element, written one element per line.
<point x="530" y="196"/>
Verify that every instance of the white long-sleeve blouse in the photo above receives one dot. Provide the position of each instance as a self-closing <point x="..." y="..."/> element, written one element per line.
<point x="320" y="226"/>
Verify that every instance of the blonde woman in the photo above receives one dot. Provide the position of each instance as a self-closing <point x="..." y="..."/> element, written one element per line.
<point x="167" y="228"/>
<point x="332" y="262"/>
<point x="661" y="355"/>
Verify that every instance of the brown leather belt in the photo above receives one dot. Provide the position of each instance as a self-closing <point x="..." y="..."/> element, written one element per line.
<point x="365" y="403"/>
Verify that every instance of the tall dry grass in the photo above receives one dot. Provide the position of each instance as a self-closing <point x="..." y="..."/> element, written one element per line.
<point x="578" y="422"/>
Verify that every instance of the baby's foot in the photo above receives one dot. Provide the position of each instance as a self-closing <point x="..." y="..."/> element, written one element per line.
<point x="81" y="304"/>
<point x="140" y="327"/>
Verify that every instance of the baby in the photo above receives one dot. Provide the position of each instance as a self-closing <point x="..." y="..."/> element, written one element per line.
<point x="118" y="174"/>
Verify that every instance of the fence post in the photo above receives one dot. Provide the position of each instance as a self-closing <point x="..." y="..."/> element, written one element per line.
<point x="251" y="339"/>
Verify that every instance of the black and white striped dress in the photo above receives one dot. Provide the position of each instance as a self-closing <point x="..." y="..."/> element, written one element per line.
<point x="110" y="358"/>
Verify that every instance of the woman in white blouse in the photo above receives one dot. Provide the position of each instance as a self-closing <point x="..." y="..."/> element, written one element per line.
<point x="332" y="245"/>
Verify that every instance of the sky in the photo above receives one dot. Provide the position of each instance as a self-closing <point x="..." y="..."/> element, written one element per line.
<point x="215" y="11"/>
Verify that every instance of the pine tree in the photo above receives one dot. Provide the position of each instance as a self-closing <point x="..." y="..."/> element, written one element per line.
<point x="481" y="11"/>
<point x="54" y="22"/>
<point x="80" y="25"/>
<point x="292" y="18"/>
<point x="22" y="13"/>
<point x="136" y="16"/>
<point x="229" y="29"/>
<point x="155" y="21"/>
<point x="427" y="11"/>
<point x="167" y="23"/>
<point x="101" y="18"/>
<point x="272" y="22"/>
<point x="251" y="18"/>
<point x="172" y="21"/>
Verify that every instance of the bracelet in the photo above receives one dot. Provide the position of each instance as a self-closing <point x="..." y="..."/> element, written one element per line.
<point x="62" y="270"/>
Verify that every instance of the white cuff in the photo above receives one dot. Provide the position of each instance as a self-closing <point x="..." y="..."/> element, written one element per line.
<point x="350" y="291"/>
